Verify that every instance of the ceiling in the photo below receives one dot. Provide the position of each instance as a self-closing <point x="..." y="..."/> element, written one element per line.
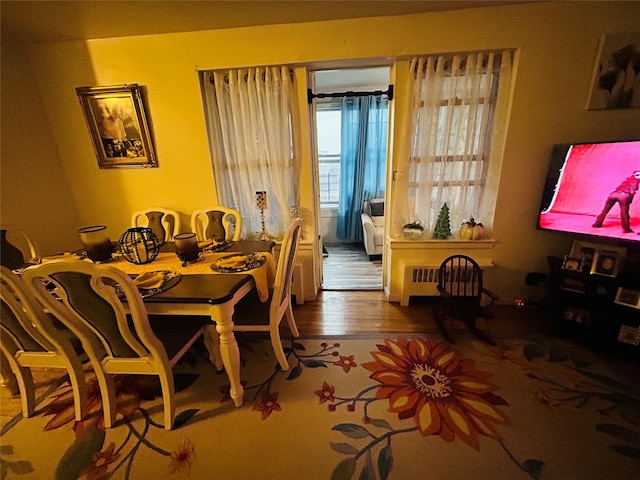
<point x="55" y="21"/>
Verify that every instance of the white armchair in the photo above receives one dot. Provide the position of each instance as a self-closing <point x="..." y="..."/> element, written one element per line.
<point x="373" y="226"/>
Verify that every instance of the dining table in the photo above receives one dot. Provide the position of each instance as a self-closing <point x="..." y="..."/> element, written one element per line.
<point x="206" y="287"/>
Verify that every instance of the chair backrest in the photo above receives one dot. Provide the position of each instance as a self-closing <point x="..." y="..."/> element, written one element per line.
<point x="16" y="248"/>
<point x="30" y="339"/>
<point x="89" y="299"/>
<point x="217" y="221"/>
<point x="461" y="276"/>
<point x="164" y="223"/>
<point x="26" y="328"/>
<point x="281" y="295"/>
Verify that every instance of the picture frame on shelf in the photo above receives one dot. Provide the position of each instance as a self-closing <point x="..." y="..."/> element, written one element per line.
<point x="574" y="264"/>
<point x="605" y="263"/>
<point x="589" y="251"/>
<point x="118" y="127"/>
<point x="630" y="335"/>
<point x="586" y="251"/>
<point x="628" y="297"/>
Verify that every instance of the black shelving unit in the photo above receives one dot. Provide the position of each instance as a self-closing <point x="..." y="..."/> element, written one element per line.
<point x="584" y="309"/>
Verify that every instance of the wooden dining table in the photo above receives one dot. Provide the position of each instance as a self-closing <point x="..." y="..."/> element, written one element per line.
<point x="203" y="291"/>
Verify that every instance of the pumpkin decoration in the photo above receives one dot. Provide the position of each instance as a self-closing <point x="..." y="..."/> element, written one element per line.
<point x="413" y="231"/>
<point x="471" y="230"/>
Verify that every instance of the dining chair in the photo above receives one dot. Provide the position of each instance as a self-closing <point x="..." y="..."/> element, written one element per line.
<point x="463" y="297"/>
<point x="31" y="339"/>
<point x="16" y="248"/>
<point x="104" y="308"/>
<point x="164" y="223"/>
<point x="252" y="315"/>
<point x="217" y="222"/>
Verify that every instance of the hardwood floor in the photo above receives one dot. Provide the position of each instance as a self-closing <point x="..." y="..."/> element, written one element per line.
<point x="369" y="313"/>
<point x="347" y="267"/>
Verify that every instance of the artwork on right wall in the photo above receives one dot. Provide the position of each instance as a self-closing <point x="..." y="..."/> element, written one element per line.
<point x="616" y="74"/>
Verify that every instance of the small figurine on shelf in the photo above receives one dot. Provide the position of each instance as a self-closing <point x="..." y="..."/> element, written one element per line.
<point x="413" y="230"/>
<point x="472" y="230"/>
<point x="443" y="225"/>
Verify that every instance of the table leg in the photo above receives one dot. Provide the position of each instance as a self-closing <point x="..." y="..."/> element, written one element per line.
<point x="230" y="354"/>
<point x="212" y="342"/>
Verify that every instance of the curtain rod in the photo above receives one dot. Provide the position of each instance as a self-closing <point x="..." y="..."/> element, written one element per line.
<point x="311" y="95"/>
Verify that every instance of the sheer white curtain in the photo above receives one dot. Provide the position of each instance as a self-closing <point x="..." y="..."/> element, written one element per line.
<point x="453" y="103"/>
<point x="249" y="113"/>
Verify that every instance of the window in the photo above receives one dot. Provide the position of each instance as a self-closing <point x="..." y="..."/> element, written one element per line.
<point x="328" y="121"/>
<point x="454" y="103"/>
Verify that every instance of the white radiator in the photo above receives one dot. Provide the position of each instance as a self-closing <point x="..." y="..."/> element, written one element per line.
<point x="418" y="280"/>
<point x="422" y="280"/>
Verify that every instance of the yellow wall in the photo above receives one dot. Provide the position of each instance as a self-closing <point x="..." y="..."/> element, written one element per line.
<point x="557" y="44"/>
<point x="35" y="195"/>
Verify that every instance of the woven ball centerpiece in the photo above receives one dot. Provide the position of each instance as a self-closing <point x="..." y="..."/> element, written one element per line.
<point x="139" y="245"/>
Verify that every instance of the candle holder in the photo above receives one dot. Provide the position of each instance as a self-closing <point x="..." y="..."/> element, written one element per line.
<point x="261" y="204"/>
<point x="96" y="242"/>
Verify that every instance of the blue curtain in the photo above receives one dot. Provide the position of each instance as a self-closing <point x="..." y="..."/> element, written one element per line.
<point x="363" y="159"/>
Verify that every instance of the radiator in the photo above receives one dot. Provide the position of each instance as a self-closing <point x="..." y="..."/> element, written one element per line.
<point x="422" y="280"/>
<point x="418" y="280"/>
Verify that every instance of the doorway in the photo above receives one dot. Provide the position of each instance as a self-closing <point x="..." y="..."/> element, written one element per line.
<point x="346" y="265"/>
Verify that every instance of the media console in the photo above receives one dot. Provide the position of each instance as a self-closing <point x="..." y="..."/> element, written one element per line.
<point x="602" y="312"/>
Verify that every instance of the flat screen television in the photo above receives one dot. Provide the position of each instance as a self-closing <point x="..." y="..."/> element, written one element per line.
<point x="581" y="179"/>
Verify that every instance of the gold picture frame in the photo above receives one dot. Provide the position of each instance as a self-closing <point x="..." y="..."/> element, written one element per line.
<point x="118" y="126"/>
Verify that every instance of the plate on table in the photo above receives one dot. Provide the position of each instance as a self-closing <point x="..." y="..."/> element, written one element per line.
<point x="152" y="283"/>
<point x="213" y="246"/>
<point x="238" y="262"/>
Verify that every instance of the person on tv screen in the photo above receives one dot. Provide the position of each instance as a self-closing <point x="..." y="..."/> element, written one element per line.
<point x="623" y="195"/>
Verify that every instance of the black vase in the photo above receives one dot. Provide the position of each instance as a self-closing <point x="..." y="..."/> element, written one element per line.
<point x="11" y="256"/>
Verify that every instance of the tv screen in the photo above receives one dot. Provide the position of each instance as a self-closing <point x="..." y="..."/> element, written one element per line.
<point x="591" y="190"/>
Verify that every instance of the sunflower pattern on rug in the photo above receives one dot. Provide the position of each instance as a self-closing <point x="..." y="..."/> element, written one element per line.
<point x="390" y="408"/>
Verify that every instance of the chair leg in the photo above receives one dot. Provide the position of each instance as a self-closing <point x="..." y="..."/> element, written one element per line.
<point x="276" y="344"/>
<point x="480" y="334"/>
<point x="440" y="318"/>
<point x="27" y="391"/>
<point x="79" y="388"/>
<point x="7" y="377"/>
<point x="108" y="395"/>
<point x="168" y="398"/>
<point x="291" y="321"/>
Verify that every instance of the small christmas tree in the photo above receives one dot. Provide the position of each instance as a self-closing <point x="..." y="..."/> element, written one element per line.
<point x="443" y="226"/>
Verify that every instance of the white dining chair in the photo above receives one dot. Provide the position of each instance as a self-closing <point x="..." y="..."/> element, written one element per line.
<point x="217" y="221"/>
<point x="104" y="308"/>
<point x="163" y="222"/>
<point x="251" y="315"/>
<point x="31" y="339"/>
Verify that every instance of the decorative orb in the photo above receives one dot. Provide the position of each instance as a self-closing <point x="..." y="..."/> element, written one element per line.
<point x="139" y="245"/>
<point x="413" y="231"/>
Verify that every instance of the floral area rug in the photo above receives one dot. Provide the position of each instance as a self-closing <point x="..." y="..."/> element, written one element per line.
<point x="379" y="408"/>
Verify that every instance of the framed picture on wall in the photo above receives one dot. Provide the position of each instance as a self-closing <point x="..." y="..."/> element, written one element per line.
<point x="118" y="127"/>
<point x="615" y="81"/>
